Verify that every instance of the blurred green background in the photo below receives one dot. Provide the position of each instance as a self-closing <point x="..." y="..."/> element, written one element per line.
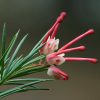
<point x="36" y="17"/>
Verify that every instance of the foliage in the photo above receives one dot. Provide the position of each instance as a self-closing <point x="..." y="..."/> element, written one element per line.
<point x="12" y="67"/>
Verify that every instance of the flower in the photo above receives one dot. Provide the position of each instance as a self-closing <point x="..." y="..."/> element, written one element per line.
<point x="50" y="46"/>
<point x="57" y="58"/>
<point x="53" y="59"/>
<point x="57" y="73"/>
<point x="52" y="43"/>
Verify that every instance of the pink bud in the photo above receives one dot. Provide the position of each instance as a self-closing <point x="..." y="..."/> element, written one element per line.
<point x="53" y="59"/>
<point x="53" y="30"/>
<point x="61" y="17"/>
<point x="50" y="46"/>
<point x="57" y="73"/>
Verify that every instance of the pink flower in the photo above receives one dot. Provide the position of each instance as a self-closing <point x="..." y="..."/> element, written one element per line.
<point x="50" y="46"/>
<point x="52" y="43"/>
<point x="57" y="58"/>
<point x="53" y="59"/>
<point x="57" y="73"/>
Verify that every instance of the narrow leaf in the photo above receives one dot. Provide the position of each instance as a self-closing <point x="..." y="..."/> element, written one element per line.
<point x="29" y="70"/>
<point x="17" y="49"/>
<point x="13" y="40"/>
<point x="3" y="39"/>
<point x="16" y="89"/>
<point x="34" y="60"/>
<point x="8" y="69"/>
<point x="21" y="62"/>
<point x="8" y="50"/>
<point x="3" y="48"/>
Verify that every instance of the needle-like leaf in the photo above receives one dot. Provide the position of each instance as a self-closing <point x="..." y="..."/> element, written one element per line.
<point x="12" y="43"/>
<point x="3" y="39"/>
<point x="17" y="49"/>
<point x="3" y="48"/>
<point x="29" y="70"/>
<point x="16" y="89"/>
<point x="7" y="71"/>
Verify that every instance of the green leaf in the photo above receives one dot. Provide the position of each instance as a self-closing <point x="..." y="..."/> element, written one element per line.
<point x="16" y="89"/>
<point x="11" y="45"/>
<point x="17" y="49"/>
<point x="11" y="69"/>
<point x="21" y="62"/>
<point x="3" y="48"/>
<point x="8" y="50"/>
<point x="29" y="70"/>
<point x="23" y="80"/>
<point x="24" y="90"/>
<point x="32" y="88"/>
<point x="17" y="60"/>
<point x="3" y="39"/>
<point x="34" y="60"/>
<point x="7" y="73"/>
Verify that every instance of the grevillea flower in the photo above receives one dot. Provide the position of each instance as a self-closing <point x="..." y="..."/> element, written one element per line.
<point x="52" y="43"/>
<point x="56" y="58"/>
<point x="50" y="46"/>
<point x="53" y="59"/>
<point x="57" y="73"/>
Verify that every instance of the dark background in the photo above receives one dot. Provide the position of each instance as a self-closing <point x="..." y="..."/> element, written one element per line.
<point x="36" y="17"/>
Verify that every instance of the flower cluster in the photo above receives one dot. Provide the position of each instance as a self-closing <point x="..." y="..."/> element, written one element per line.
<point x="55" y="56"/>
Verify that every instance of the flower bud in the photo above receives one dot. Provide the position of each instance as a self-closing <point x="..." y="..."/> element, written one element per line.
<point x="50" y="46"/>
<point x="57" y="73"/>
<point x="55" y="59"/>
